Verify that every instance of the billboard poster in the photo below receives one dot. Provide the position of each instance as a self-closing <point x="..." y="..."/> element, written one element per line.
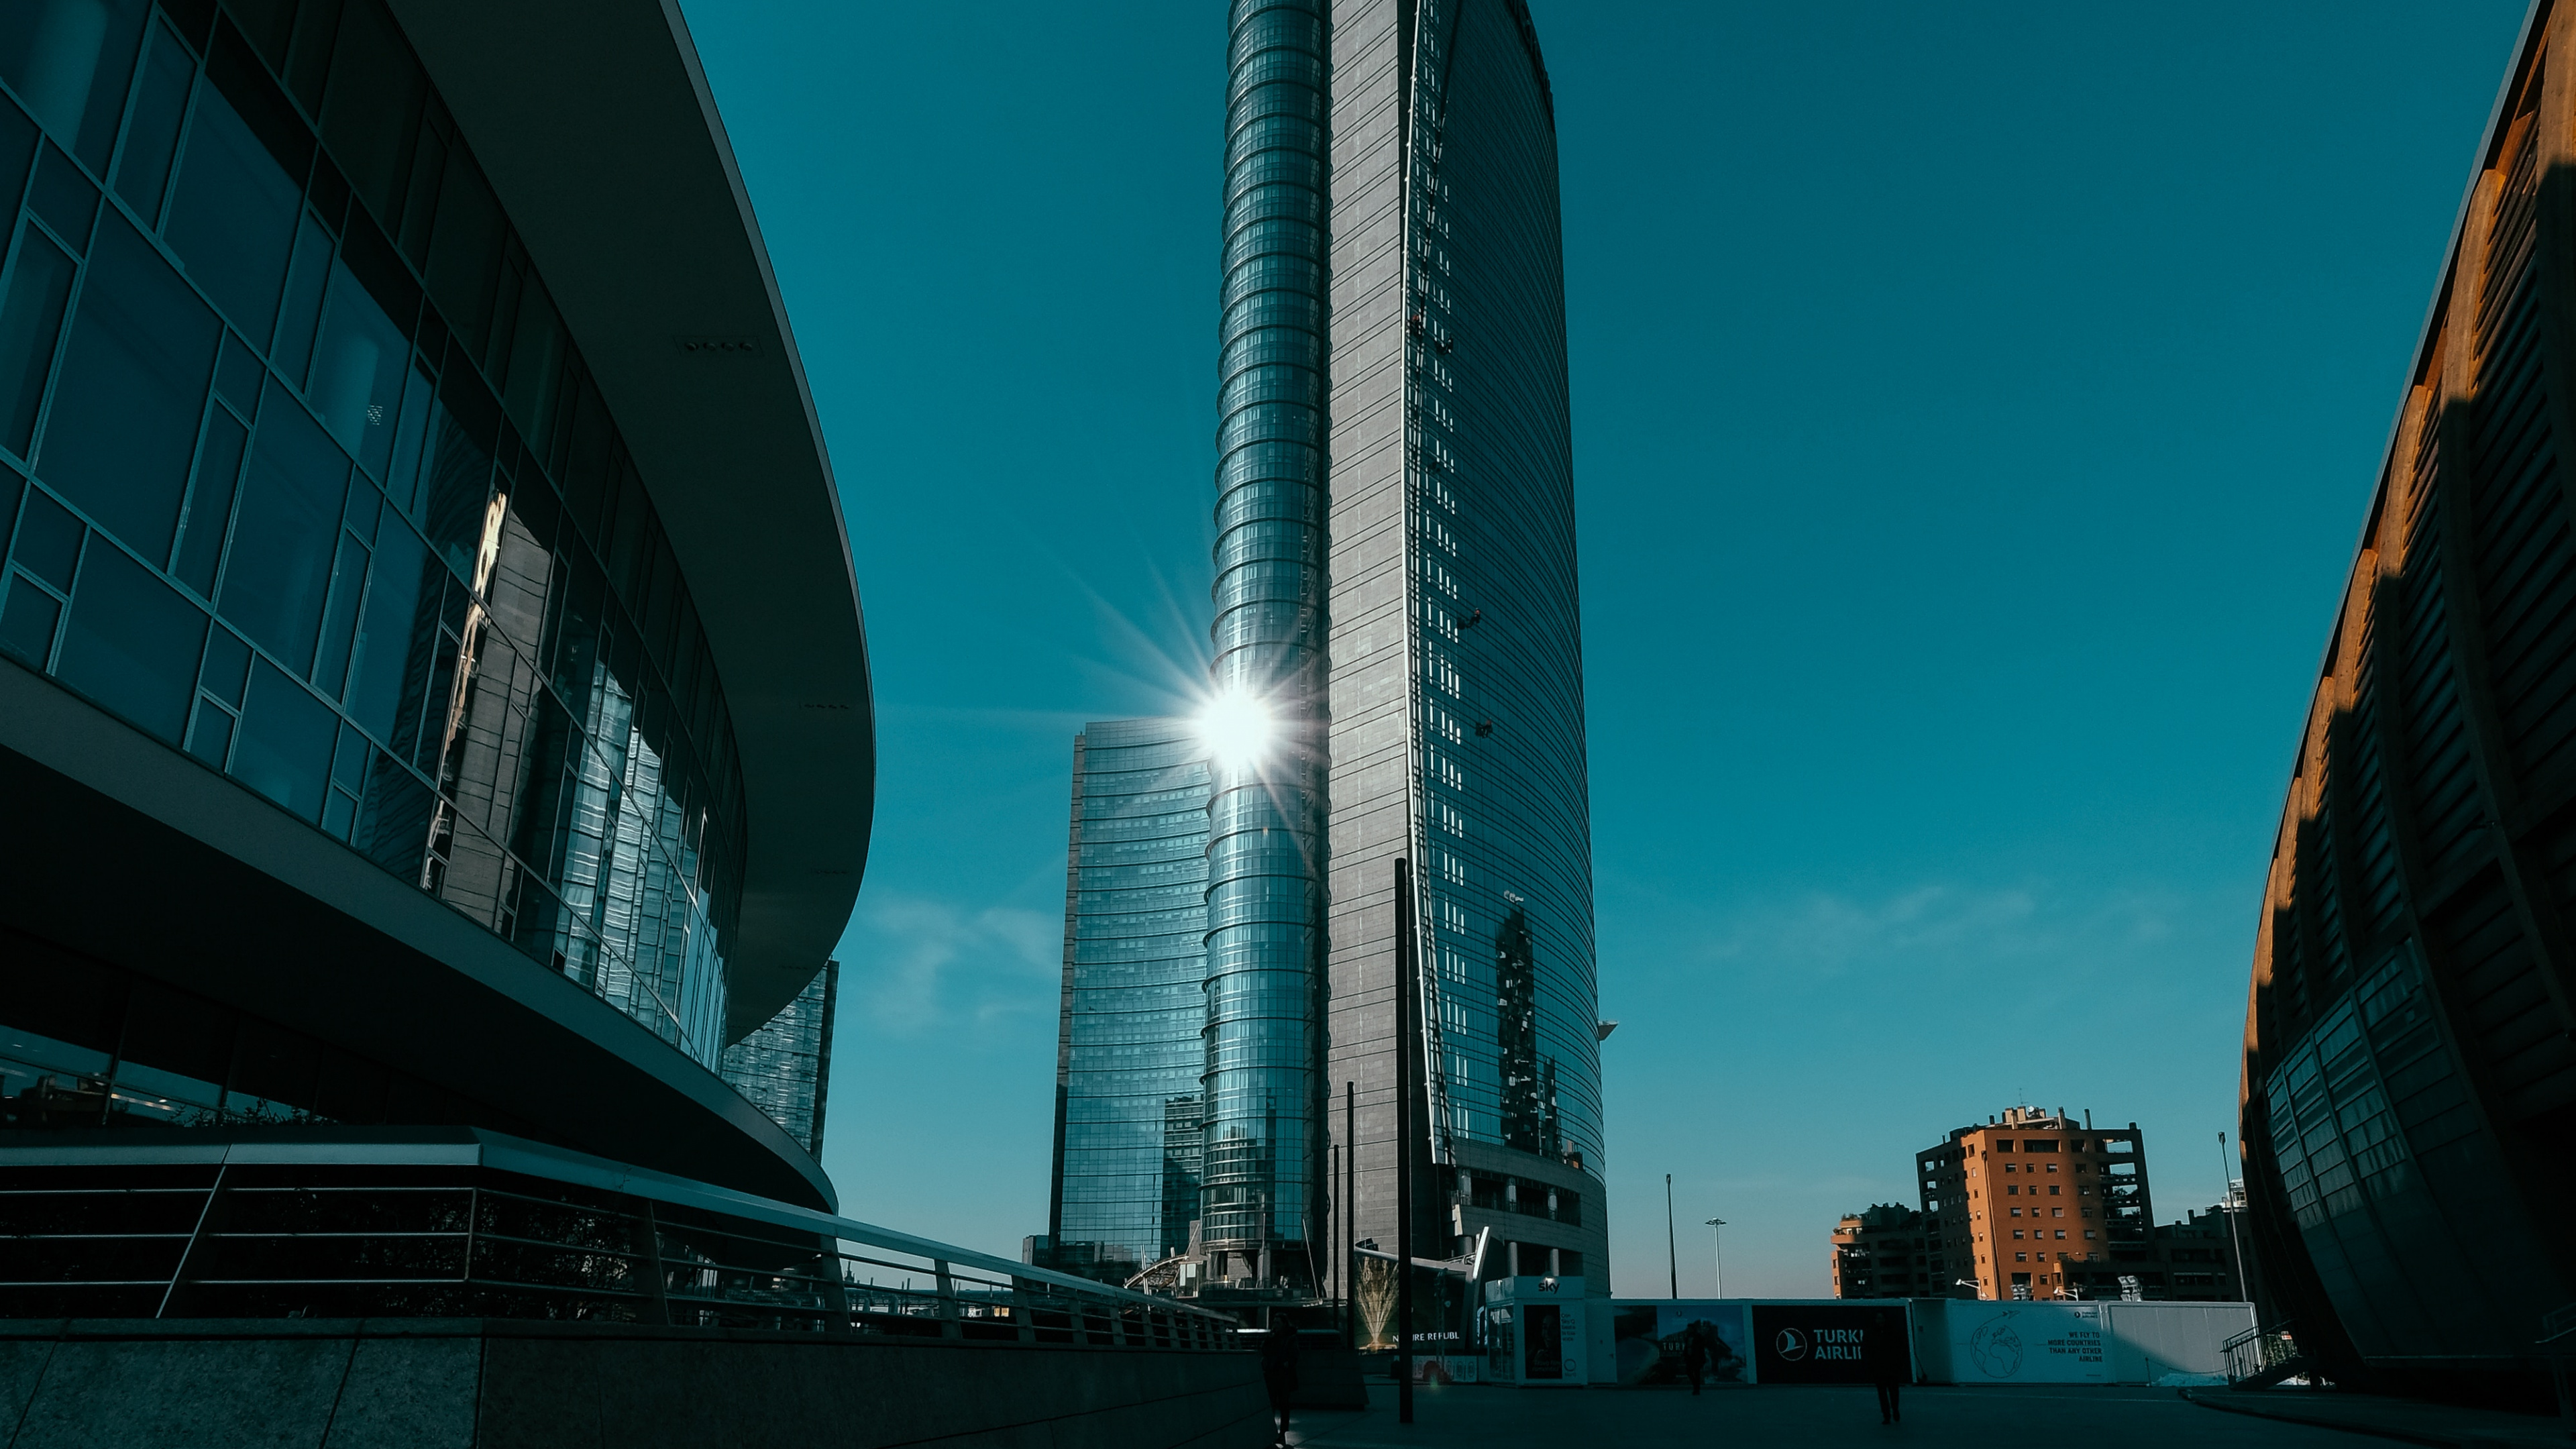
<point x="1827" y="1343"/>
<point x="2026" y="1343"/>
<point x="1648" y="1340"/>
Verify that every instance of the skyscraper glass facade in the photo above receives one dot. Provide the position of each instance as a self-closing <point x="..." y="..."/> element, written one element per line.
<point x="1131" y="1049"/>
<point x="1457" y="740"/>
<point x="301" y="473"/>
<point x="1266" y="840"/>
<point x="1504" y="815"/>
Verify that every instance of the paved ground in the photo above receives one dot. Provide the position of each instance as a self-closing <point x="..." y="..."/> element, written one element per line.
<point x="1803" y="1418"/>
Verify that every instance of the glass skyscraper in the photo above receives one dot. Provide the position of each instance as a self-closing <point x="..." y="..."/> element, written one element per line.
<point x="1457" y="665"/>
<point x="1129" y="1056"/>
<point x="432" y="686"/>
<point x="1395" y="581"/>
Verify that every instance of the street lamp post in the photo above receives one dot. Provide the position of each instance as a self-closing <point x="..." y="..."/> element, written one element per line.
<point x="1672" y="1264"/>
<point x="1717" y="1228"/>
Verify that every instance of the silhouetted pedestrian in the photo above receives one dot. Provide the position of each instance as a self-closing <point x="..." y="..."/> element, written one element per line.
<point x="1889" y="1368"/>
<point x="1694" y="1357"/>
<point x="1279" y="1368"/>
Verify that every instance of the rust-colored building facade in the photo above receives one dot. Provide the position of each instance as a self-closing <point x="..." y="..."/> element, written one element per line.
<point x="2409" y="1090"/>
<point x="2038" y="1201"/>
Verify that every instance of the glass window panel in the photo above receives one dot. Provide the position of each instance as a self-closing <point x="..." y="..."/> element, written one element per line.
<point x="286" y="739"/>
<point x="212" y="739"/>
<point x="49" y="541"/>
<point x="396" y="632"/>
<point x="458" y="482"/>
<point x="210" y="502"/>
<point x="352" y="1089"/>
<point x="69" y="59"/>
<point x="326" y="194"/>
<point x="349" y="760"/>
<point x="373" y="104"/>
<point x="308" y="56"/>
<point x="364" y="506"/>
<point x="283" y="546"/>
<point x="30" y="1053"/>
<point x="305" y="281"/>
<point x="428" y="170"/>
<point x="238" y="374"/>
<point x="64" y="198"/>
<point x="227" y="667"/>
<point x="402" y="471"/>
<point x="132" y="643"/>
<point x="232" y="216"/>
<point x="536" y="366"/>
<point x="268" y="24"/>
<point x="27" y="622"/>
<point x="123" y="424"/>
<point x="174" y="1032"/>
<point x="590" y="460"/>
<point x="11" y="485"/>
<point x="31" y="318"/>
<point x="348" y="577"/>
<point x="195" y="19"/>
<point x="152" y="137"/>
<point x="17" y="155"/>
<point x="465" y="251"/>
<point x="393" y="824"/>
<point x="275" y="1073"/>
<point x="358" y="371"/>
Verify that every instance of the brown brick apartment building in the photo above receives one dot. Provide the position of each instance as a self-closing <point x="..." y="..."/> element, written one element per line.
<point x="2035" y="1200"/>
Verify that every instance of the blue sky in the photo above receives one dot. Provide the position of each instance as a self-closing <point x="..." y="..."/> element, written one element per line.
<point x="1975" y="407"/>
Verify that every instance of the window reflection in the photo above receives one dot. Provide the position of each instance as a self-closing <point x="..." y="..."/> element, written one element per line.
<point x="535" y="732"/>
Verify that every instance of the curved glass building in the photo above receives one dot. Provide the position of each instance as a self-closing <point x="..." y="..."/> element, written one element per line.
<point x="1265" y="881"/>
<point x="434" y="688"/>
<point x="2409" y="1071"/>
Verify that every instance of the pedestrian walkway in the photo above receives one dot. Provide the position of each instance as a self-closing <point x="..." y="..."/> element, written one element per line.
<point x="1800" y="1418"/>
<point x="2406" y="1420"/>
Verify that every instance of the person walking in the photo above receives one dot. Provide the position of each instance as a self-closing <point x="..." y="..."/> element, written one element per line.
<point x="1889" y="1368"/>
<point x="1694" y="1357"/>
<point x="1279" y="1368"/>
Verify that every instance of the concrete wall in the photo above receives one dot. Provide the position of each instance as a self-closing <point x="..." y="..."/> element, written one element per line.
<point x="478" y="1384"/>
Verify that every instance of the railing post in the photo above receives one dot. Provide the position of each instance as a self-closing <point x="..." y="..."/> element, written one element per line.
<point x="196" y="1243"/>
<point x="648" y="1247"/>
<point x="948" y="1315"/>
<point x="836" y="1289"/>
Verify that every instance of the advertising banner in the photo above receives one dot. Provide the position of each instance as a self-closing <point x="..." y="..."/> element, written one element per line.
<point x="2026" y="1343"/>
<point x="1827" y="1343"/>
<point x="1649" y="1341"/>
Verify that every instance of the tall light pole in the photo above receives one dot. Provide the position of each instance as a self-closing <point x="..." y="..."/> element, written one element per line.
<point x="1718" y="1231"/>
<point x="2234" y="1210"/>
<point x="1672" y="1264"/>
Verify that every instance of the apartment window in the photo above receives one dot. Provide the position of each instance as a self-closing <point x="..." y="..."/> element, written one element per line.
<point x="2052" y="1189"/>
<point x="2088" y="1232"/>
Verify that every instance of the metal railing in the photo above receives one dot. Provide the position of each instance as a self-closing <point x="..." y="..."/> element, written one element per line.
<point x="2258" y="1351"/>
<point x="473" y="1224"/>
